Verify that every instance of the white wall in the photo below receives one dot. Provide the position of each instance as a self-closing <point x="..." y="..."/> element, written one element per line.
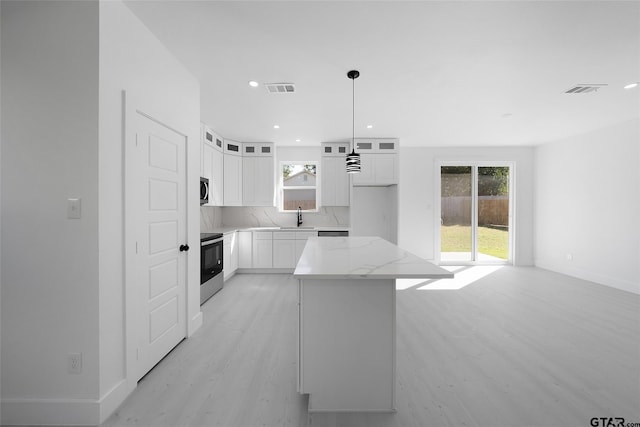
<point x="587" y="204"/>
<point x="132" y="59"/>
<point x="417" y="230"/>
<point x="374" y="212"/>
<point x="49" y="153"/>
<point x="64" y="67"/>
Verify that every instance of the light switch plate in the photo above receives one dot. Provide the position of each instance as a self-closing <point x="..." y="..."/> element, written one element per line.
<point x="73" y="208"/>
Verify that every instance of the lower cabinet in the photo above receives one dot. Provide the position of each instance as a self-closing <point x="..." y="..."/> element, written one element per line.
<point x="245" y="249"/>
<point x="288" y="246"/>
<point x="262" y="250"/>
<point x="229" y="254"/>
<point x="284" y="249"/>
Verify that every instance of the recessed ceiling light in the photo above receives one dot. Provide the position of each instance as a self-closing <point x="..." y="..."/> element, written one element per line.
<point x="298" y="140"/>
<point x="631" y="85"/>
<point x="253" y="83"/>
<point x="276" y="127"/>
<point x="369" y="126"/>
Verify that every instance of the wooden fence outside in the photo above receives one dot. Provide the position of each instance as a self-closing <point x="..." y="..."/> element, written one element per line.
<point x="292" y="205"/>
<point x="492" y="210"/>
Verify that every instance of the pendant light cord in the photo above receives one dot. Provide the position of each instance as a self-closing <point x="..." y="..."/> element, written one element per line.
<point x="353" y="115"/>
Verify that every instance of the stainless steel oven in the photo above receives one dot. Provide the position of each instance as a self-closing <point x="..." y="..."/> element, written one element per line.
<point x="211" y="262"/>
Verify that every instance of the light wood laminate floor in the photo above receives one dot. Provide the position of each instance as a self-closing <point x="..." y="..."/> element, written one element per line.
<point x="519" y="347"/>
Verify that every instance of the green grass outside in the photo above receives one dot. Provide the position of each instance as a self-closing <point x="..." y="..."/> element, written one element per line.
<point x="457" y="238"/>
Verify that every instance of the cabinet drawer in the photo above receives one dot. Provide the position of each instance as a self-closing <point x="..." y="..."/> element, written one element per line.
<point x="284" y="235"/>
<point x="262" y="235"/>
<point x="304" y="235"/>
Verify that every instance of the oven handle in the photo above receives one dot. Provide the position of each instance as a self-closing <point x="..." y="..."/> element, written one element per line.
<point x="211" y="242"/>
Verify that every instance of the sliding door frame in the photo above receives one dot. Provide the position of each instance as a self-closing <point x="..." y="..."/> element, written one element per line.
<point x="474" y="164"/>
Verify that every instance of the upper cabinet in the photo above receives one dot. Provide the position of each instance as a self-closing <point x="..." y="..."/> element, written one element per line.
<point x="212" y="164"/>
<point x="258" y="174"/>
<point x="334" y="177"/>
<point x="378" y="160"/>
<point x="232" y="173"/>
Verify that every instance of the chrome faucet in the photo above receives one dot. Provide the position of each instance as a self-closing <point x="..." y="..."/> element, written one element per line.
<point x="299" y="215"/>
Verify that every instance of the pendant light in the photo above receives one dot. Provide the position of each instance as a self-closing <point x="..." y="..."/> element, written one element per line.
<point x="353" y="158"/>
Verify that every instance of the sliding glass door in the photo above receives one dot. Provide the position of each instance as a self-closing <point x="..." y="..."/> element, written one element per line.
<point x="475" y="213"/>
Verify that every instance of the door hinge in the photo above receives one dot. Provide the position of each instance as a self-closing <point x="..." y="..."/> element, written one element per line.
<point x="136" y="247"/>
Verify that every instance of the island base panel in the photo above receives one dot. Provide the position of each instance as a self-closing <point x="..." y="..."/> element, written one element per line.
<point x="347" y="344"/>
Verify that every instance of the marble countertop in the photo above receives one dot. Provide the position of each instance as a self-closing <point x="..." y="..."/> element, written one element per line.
<point x="362" y="258"/>
<point x="231" y="229"/>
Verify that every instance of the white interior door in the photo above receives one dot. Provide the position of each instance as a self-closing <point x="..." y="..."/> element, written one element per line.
<point x="160" y="180"/>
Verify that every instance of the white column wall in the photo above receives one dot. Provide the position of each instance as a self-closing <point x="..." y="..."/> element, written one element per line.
<point x="132" y="59"/>
<point x="49" y="154"/>
<point x="417" y="191"/>
<point x="587" y="206"/>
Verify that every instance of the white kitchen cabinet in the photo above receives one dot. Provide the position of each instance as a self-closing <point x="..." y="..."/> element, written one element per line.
<point x="258" y="175"/>
<point x="212" y="165"/>
<point x="245" y="248"/>
<point x="335" y="181"/>
<point x="301" y="240"/>
<point x="336" y="149"/>
<point x="262" y="250"/>
<point x="288" y="246"/>
<point x="284" y="253"/>
<point x="230" y="254"/>
<point x="232" y="173"/>
<point x="377" y="169"/>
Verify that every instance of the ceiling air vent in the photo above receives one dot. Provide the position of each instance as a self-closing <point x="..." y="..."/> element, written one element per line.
<point x="585" y="88"/>
<point x="280" y="87"/>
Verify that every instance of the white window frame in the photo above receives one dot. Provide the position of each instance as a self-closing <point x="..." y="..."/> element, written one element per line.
<point x="512" y="208"/>
<point x="281" y="184"/>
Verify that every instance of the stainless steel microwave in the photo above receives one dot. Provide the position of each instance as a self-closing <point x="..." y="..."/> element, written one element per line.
<point x="204" y="191"/>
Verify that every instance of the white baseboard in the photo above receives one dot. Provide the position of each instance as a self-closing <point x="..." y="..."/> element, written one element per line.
<point x="67" y="412"/>
<point x="602" y="279"/>
<point x="48" y="412"/>
<point x="113" y="399"/>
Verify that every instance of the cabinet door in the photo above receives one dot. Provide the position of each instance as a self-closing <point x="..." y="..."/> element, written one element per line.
<point x="207" y="167"/>
<point x="367" y="170"/>
<point x="216" y="187"/>
<point x="257" y="181"/>
<point x="335" y="182"/>
<point x="327" y="172"/>
<point x="385" y="169"/>
<point x="234" y="258"/>
<point x="284" y="253"/>
<point x="249" y="178"/>
<point x="299" y="248"/>
<point x="232" y="180"/>
<point x="262" y="250"/>
<point x="245" y="248"/>
<point x="226" y="259"/>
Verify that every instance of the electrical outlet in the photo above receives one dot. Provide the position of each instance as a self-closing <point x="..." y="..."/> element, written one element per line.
<point x="569" y="257"/>
<point x="74" y="363"/>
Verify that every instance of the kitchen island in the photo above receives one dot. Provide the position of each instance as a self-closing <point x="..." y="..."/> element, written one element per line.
<point x="347" y="320"/>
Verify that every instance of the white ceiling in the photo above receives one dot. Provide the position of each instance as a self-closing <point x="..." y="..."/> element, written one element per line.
<point x="432" y="73"/>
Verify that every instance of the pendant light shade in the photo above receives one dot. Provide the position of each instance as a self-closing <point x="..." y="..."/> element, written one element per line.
<point x="353" y="158"/>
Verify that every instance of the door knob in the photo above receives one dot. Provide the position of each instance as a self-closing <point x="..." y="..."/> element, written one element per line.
<point x="184" y="248"/>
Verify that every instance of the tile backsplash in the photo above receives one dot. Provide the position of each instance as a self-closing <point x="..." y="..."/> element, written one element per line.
<point x="215" y="217"/>
<point x="210" y="218"/>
